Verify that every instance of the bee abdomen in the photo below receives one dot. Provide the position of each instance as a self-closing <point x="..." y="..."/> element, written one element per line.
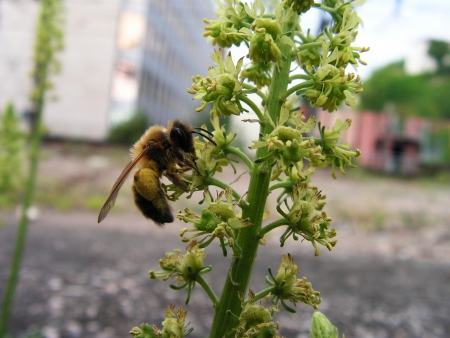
<point x="159" y="212"/>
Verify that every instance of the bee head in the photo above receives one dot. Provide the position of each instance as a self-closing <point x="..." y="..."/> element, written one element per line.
<point x="181" y="136"/>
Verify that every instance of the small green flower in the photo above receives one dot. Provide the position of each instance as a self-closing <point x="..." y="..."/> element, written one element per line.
<point x="256" y="320"/>
<point x="173" y="326"/>
<point x="334" y="153"/>
<point x="145" y="331"/>
<point x="285" y="144"/>
<point x="218" y="220"/>
<point x="286" y="286"/>
<point x="221" y="87"/>
<point x="337" y="9"/>
<point x="331" y="85"/>
<point x="309" y="55"/>
<point x="183" y="268"/>
<point x="304" y="221"/>
<point x="231" y="26"/>
<point x="342" y="40"/>
<point x="263" y="47"/>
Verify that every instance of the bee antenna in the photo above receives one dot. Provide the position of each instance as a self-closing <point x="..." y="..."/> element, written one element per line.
<point x="206" y="131"/>
<point x="205" y="136"/>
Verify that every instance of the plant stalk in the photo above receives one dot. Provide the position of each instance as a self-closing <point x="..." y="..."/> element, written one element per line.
<point x="248" y="239"/>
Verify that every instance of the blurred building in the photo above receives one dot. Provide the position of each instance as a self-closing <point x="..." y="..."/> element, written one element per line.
<point x="159" y="48"/>
<point x="393" y="145"/>
<point x="120" y="57"/>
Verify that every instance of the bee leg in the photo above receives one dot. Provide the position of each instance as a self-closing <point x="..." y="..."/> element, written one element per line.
<point x="149" y="196"/>
<point x="176" y="179"/>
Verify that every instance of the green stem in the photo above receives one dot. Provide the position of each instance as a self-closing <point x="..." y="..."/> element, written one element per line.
<point x="299" y="77"/>
<point x="235" y="151"/>
<point x="273" y="225"/>
<point x="215" y="182"/>
<point x="263" y="293"/>
<point x="19" y="246"/>
<point x="199" y="279"/>
<point x="252" y="105"/>
<point x="248" y="237"/>
<point x="295" y="88"/>
<point x="257" y="91"/>
<point x="48" y="34"/>
<point x="286" y="184"/>
<point x="309" y="45"/>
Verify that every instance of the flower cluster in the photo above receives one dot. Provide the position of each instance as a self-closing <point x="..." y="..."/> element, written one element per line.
<point x="337" y="8"/>
<point x="334" y="153"/>
<point x="186" y="269"/>
<point x="221" y="87"/>
<point x="331" y="85"/>
<point x="303" y="220"/>
<point x="286" y="286"/>
<point x="309" y="53"/>
<point x="173" y="326"/>
<point x="218" y="220"/>
<point x="255" y="320"/>
<point x="231" y="26"/>
<point x="286" y="145"/>
<point x="263" y="47"/>
<point x="342" y="40"/>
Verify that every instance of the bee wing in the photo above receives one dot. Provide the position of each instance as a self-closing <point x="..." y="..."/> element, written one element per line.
<point x="117" y="185"/>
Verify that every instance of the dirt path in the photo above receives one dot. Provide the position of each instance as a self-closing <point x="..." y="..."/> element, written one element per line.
<point x="80" y="279"/>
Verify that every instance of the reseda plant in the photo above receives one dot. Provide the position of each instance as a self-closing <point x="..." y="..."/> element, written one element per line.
<point x="285" y="62"/>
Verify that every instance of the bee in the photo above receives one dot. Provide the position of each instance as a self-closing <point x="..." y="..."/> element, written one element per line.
<point x="160" y="151"/>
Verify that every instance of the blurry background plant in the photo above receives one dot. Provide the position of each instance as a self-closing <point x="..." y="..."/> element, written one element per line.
<point x="48" y="41"/>
<point x="11" y="156"/>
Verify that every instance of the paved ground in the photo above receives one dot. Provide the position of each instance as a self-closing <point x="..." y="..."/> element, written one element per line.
<point x="80" y="279"/>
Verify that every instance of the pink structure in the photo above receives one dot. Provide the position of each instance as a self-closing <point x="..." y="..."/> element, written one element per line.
<point x="386" y="144"/>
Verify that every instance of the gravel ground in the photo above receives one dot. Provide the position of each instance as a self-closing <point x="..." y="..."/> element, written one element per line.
<point x="81" y="279"/>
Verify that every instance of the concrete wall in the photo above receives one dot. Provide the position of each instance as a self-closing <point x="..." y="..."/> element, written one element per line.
<point x="82" y="88"/>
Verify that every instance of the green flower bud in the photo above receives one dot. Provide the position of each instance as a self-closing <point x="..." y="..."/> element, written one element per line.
<point x="262" y="45"/>
<point x="321" y="327"/>
<point x="300" y="6"/>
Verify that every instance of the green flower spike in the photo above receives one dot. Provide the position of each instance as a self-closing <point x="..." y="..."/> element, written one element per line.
<point x="218" y="220"/>
<point x="256" y="320"/>
<point x="334" y="153"/>
<point x="221" y="87"/>
<point x="286" y="145"/>
<point x="231" y="26"/>
<point x="331" y="85"/>
<point x="286" y="286"/>
<point x="173" y="326"/>
<point x="186" y="269"/>
<point x="304" y="221"/>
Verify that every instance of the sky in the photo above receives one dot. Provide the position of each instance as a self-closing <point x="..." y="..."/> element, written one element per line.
<point x="394" y="30"/>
